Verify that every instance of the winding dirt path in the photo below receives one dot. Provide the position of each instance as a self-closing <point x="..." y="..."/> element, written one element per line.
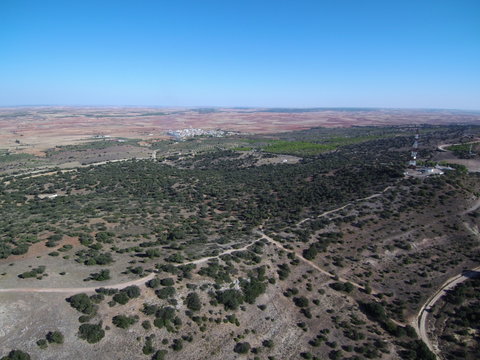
<point x="312" y="264"/>
<point x="420" y="322"/>
<point x="47" y="170"/>
<point x="444" y="146"/>
<point x="118" y="286"/>
<point x="346" y="205"/>
<point x="473" y="207"/>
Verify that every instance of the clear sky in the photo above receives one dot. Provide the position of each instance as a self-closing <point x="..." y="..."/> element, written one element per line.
<point x="303" y="53"/>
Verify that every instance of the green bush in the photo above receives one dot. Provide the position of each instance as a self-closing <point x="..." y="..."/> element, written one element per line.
<point x="42" y="343"/>
<point x="230" y="298"/>
<point x="154" y="283"/>
<point x="193" y="302"/>
<point x="55" y="337"/>
<point x="16" y="355"/>
<point x="252" y="289"/>
<point x="100" y="276"/>
<point x="121" y="298"/>
<point x="123" y="321"/>
<point x="177" y="344"/>
<point x="82" y="303"/>
<point x="301" y="301"/>
<point x="132" y="291"/>
<point x="32" y="273"/>
<point x="167" y="282"/>
<point x="242" y="348"/>
<point x="92" y="333"/>
<point x="165" y="292"/>
<point x="159" y="355"/>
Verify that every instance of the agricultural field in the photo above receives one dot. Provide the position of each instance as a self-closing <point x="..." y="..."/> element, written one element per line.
<point x="309" y="244"/>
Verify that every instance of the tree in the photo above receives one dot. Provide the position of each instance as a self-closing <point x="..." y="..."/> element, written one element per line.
<point x="301" y="301"/>
<point x="230" y="298"/>
<point x="268" y="343"/>
<point x="100" y="276"/>
<point x="193" y="302"/>
<point x="82" y="303"/>
<point x="177" y="344"/>
<point x="16" y="355"/>
<point x="132" y="291"/>
<point x="159" y="355"/>
<point x="123" y="321"/>
<point x="242" y="348"/>
<point x="252" y="289"/>
<point x="55" y="337"/>
<point x="121" y="298"/>
<point x="167" y="282"/>
<point x="166" y="292"/>
<point x="92" y="333"/>
<point x="42" y="343"/>
<point x="154" y="283"/>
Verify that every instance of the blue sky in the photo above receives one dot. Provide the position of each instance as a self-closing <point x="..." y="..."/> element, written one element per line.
<point x="389" y="53"/>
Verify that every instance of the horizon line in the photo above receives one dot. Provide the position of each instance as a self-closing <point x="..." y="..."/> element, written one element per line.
<point x="242" y="107"/>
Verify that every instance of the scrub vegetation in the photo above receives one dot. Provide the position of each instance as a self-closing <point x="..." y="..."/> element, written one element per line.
<point x="310" y="244"/>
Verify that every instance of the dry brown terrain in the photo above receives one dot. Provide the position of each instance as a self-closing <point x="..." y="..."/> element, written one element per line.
<point x="40" y="128"/>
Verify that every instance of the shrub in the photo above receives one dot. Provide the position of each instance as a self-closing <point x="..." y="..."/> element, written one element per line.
<point x="20" y="249"/>
<point x="283" y="271"/>
<point x="85" y="239"/>
<point x="92" y="333"/>
<point x="132" y="291"/>
<point x="146" y="325"/>
<point x="55" y="337"/>
<point x="42" y="344"/>
<point x="32" y="273"/>
<point x="268" y="343"/>
<point x="121" y="298"/>
<point x="82" y="303"/>
<point x="148" y="347"/>
<point x="177" y="344"/>
<point x="167" y="282"/>
<point x="154" y="283"/>
<point x="339" y="286"/>
<point x="164" y="317"/>
<point x="301" y="301"/>
<point x="159" y="355"/>
<point x="230" y="298"/>
<point x="374" y="310"/>
<point x="193" y="302"/>
<point x="165" y="292"/>
<point x="252" y="289"/>
<point x="123" y="321"/>
<point x="100" y="276"/>
<point x="16" y="355"/>
<point x="242" y="348"/>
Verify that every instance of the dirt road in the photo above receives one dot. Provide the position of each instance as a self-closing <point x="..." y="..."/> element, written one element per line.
<point x="443" y="147"/>
<point x="344" y="206"/>
<point x="229" y="251"/>
<point x="312" y="264"/>
<point x="118" y="286"/>
<point x="473" y="207"/>
<point x="420" y="322"/>
<point x="47" y="170"/>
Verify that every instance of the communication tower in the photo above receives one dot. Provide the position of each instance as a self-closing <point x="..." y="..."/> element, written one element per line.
<point x="413" y="154"/>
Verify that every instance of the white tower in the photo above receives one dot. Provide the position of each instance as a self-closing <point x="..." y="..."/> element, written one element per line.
<point x="413" y="161"/>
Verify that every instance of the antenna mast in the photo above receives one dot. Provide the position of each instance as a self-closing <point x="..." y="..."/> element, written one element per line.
<point x="413" y="154"/>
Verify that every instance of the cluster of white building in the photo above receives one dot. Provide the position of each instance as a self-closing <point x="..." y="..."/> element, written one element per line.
<point x="191" y="132"/>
